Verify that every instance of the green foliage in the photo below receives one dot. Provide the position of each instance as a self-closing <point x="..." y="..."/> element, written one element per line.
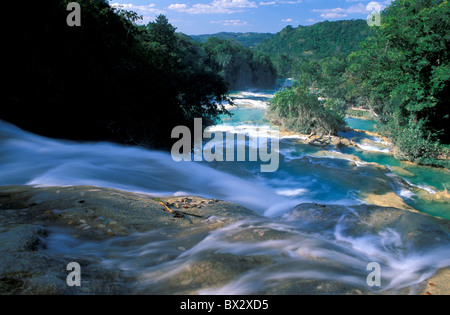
<point x="400" y="74"/>
<point x="325" y="75"/>
<point x="249" y="40"/>
<point x="293" y="46"/>
<point x="108" y="79"/>
<point x="359" y="113"/>
<point x="415" y="143"/>
<point x="317" y="60"/>
<point x="336" y="105"/>
<point x="299" y="109"/>
<point x="239" y="66"/>
<point x="403" y="74"/>
<point x="161" y="31"/>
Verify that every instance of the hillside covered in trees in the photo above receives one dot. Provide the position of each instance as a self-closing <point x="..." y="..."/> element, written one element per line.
<point x="249" y="40"/>
<point x="402" y="72"/>
<point x="316" y="56"/>
<point x="111" y="79"/>
<point x="293" y="46"/>
<point x="399" y="72"/>
<point x="239" y="66"/>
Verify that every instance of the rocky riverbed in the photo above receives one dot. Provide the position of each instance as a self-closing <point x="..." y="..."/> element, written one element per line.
<point x="120" y="239"/>
<point x="28" y="215"/>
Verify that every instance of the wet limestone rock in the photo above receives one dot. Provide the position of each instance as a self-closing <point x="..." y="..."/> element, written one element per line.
<point x="28" y="215"/>
<point x="31" y="216"/>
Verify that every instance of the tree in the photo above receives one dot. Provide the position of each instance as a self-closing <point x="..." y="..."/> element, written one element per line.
<point x="299" y="109"/>
<point x="107" y="80"/>
<point x="162" y="31"/>
<point x="239" y="66"/>
<point x="403" y="71"/>
<point x="293" y="46"/>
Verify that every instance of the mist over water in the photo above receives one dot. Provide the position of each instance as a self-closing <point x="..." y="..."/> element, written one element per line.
<point x="284" y="246"/>
<point x="27" y="159"/>
<point x="273" y="256"/>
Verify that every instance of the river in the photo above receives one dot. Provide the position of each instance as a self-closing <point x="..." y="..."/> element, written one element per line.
<point x="308" y="174"/>
<point x="334" y="248"/>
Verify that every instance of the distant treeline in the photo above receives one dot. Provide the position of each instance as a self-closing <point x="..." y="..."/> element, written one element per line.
<point x="240" y="66"/>
<point x="292" y="47"/>
<point x="249" y="40"/>
<point x="110" y="79"/>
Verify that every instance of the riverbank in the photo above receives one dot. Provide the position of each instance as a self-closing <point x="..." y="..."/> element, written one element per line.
<point x="367" y="123"/>
<point x="360" y="113"/>
<point x="119" y="237"/>
<point x="358" y="150"/>
<point x="374" y="152"/>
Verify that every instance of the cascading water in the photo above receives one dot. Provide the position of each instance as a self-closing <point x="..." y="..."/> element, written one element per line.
<point x="290" y="246"/>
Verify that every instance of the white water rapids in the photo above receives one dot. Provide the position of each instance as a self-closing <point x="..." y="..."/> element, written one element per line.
<point x="333" y="246"/>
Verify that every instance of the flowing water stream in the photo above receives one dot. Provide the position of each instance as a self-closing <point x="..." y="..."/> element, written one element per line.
<point x="335" y="245"/>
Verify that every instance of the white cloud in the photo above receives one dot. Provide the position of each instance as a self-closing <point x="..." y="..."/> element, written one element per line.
<point x="359" y="8"/>
<point x="230" y="22"/>
<point x="281" y="2"/>
<point x="335" y="10"/>
<point x="216" y="6"/>
<point x="235" y="23"/>
<point x="333" y="15"/>
<point x="287" y="20"/>
<point x="178" y="6"/>
<point x="142" y="9"/>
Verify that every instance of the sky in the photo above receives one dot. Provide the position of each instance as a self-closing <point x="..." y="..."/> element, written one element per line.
<point x="195" y="17"/>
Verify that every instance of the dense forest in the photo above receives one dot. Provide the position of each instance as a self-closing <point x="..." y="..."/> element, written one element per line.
<point x="400" y="73"/>
<point x="239" y="66"/>
<point x="249" y="40"/>
<point x="110" y="79"/>
<point x="291" y="47"/>
<point x="317" y="57"/>
<point x="403" y="74"/>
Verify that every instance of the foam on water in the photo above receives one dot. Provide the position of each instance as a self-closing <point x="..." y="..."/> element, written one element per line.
<point x="368" y="147"/>
<point x="251" y="103"/>
<point x="27" y="159"/>
<point x="292" y="192"/>
<point x="297" y="246"/>
<point x="335" y="245"/>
